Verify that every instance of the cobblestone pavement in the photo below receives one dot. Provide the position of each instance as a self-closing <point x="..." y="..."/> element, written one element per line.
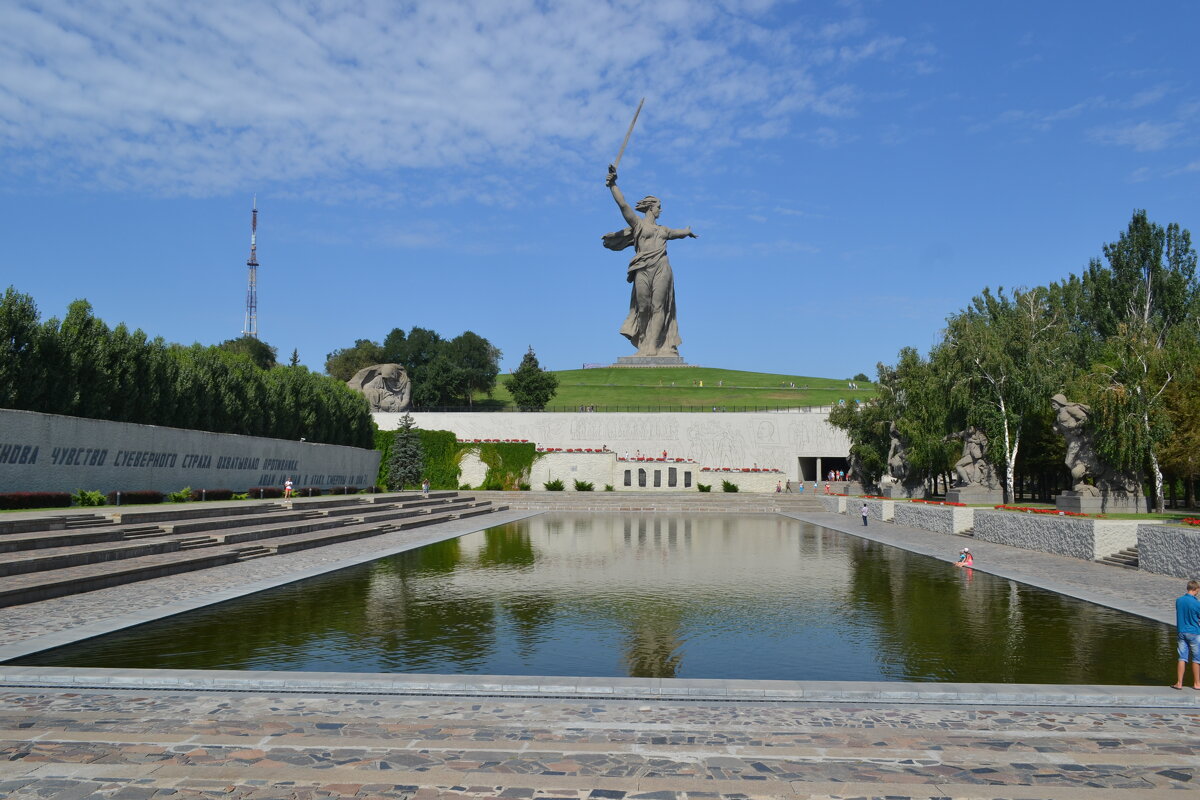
<point x="91" y="613"/>
<point x="138" y="745"/>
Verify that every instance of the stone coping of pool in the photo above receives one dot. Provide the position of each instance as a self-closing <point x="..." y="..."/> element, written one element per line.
<point x="516" y="686"/>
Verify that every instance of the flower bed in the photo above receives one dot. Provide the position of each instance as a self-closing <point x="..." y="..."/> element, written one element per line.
<point x="938" y="502"/>
<point x="1051" y="511"/>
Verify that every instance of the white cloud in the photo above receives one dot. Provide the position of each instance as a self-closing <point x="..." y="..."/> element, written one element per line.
<point x="1141" y="136"/>
<point x="200" y="98"/>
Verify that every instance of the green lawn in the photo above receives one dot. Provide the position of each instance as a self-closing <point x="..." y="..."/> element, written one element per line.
<point x="666" y="387"/>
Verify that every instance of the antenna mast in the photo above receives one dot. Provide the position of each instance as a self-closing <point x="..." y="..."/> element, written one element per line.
<point x="250" y="327"/>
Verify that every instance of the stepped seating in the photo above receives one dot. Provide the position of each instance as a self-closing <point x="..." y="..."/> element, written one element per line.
<point x="95" y="553"/>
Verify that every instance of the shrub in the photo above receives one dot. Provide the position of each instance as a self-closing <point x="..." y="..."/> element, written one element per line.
<point x="704" y="487"/>
<point x="264" y="492"/>
<point x="212" y="494"/>
<point x="608" y="487"/>
<point x="182" y="496"/>
<point x="241" y="496"/>
<point x="466" y="487"/>
<point x="584" y="486"/>
<point x="524" y="487"/>
<point x="553" y="486"/>
<point x="344" y="490"/>
<point x="728" y="486"/>
<point x="138" y="497"/>
<point x="309" y="491"/>
<point x="84" y="499"/>
<point x="16" y="500"/>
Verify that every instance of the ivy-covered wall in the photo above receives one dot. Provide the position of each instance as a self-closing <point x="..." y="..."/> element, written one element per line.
<point x="508" y="463"/>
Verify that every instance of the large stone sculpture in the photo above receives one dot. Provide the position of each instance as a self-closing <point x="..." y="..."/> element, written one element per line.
<point x="1110" y="490"/>
<point x="899" y="480"/>
<point x="651" y="325"/>
<point x="976" y="479"/>
<point x="386" y="387"/>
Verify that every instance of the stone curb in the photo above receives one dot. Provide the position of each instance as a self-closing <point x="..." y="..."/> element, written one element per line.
<point x="543" y="686"/>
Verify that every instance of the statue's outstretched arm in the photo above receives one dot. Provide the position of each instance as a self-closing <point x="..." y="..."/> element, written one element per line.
<point x="678" y="233"/>
<point x="626" y="211"/>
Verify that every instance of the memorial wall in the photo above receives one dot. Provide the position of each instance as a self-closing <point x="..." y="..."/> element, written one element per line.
<point x="775" y="440"/>
<point x="53" y="453"/>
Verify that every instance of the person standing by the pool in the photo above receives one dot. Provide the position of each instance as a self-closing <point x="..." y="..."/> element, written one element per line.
<point x="1187" y="623"/>
<point x="864" y="514"/>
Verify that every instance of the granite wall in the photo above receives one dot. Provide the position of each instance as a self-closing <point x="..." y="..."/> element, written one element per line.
<point x="939" y="519"/>
<point x="1084" y="538"/>
<point x="53" y="453"/>
<point x="1169" y="550"/>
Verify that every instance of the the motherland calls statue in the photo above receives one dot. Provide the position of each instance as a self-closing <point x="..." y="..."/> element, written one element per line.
<point x="1111" y="489"/>
<point x="651" y="325"/>
<point x="386" y="387"/>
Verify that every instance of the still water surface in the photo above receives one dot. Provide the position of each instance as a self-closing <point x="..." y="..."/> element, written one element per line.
<point x="705" y="596"/>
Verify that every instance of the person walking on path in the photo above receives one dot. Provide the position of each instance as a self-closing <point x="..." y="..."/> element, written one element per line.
<point x="1187" y="623"/>
<point x="864" y="514"/>
<point x="425" y="488"/>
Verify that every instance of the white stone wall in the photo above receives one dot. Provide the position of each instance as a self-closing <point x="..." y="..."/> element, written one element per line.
<point x="1084" y="538"/>
<point x="1169" y="550"/>
<point x="939" y="519"/>
<point x="774" y="440"/>
<point x="53" y="453"/>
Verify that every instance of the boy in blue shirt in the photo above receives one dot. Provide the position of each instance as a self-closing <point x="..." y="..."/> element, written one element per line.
<point x="1187" y="621"/>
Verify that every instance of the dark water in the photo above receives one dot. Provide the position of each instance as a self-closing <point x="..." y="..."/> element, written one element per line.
<point x="704" y="596"/>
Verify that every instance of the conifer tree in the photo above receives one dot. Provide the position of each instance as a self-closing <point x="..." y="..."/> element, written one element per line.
<point x="406" y="462"/>
<point x="531" y="386"/>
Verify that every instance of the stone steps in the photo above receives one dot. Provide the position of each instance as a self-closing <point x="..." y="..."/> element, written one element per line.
<point x="1127" y="558"/>
<point x="46" y="563"/>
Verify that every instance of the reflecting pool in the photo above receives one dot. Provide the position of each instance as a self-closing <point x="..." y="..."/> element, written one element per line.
<point x="702" y="596"/>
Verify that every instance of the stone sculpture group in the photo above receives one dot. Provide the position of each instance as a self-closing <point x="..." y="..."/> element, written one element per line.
<point x="386" y="387"/>
<point x="1109" y="489"/>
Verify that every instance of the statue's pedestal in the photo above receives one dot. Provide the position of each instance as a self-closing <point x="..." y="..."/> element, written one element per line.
<point x="1106" y="503"/>
<point x="902" y="492"/>
<point x="650" y="361"/>
<point x="975" y="495"/>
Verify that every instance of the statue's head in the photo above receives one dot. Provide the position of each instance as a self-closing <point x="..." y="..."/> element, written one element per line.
<point x="1059" y="400"/>
<point x="648" y="202"/>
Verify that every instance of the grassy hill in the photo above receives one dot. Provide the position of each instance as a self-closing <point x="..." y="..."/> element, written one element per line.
<point x="630" y="389"/>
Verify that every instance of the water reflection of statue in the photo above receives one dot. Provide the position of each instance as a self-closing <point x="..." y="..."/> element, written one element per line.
<point x="386" y="387"/>
<point x="1082" y="459"/>
<point x="973" y="468"/>
<point x="651" y="325"/>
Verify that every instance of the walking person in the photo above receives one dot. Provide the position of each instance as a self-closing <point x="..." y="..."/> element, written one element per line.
<point x="1187" y="623"/>
<point x="425" y="488"/>
<point x="864" y="514"/>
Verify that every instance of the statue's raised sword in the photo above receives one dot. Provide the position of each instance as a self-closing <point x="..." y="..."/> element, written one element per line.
<point x="632" y="122"/>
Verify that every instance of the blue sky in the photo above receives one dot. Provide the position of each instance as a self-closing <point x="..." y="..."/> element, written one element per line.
<point x="856" y="171"/>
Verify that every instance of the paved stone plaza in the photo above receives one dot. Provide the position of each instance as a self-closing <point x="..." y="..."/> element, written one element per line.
<point x="133" y="734"/>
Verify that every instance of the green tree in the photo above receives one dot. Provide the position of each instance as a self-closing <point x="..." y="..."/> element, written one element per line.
<point x="1143" y="304"/>
<point x="1004" y="360"/>
<point x="406" y="461"/>
<point x="479" y="360"/>
<point x="531" y="386"/>
<point x="443" y="383"/>
<point x="23" y="369"/>
<point x="294" y="361"/>
<point x="342" y="364"/>
<point x="258" y="351"/>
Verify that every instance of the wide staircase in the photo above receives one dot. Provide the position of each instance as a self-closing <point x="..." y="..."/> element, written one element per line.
<point x="62" y="554"/>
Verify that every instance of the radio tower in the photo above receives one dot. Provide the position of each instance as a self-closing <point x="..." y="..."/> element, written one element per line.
<point x="250" y="328"/>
